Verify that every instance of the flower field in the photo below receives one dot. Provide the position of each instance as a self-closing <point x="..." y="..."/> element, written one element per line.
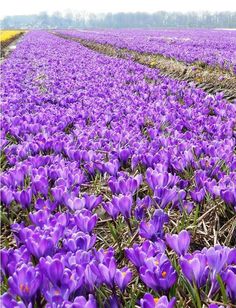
<point x="8" y="35"/>
<point x="118" y="184"/>
<point x="209" y="47"/>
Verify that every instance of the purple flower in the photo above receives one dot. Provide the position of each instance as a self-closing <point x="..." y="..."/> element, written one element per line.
<point x="86" y="221"/>
<point x="92" y="201"/>
<point x="148" y="301"/>
<point x="154" y="228"/>
<point x="179" y="242"/>
<point x="198" y="195"/>
<point x="40" y="218"/>
<point x="40" y="185"/>
<point x="81" y="301"/>
<point x="9" y="259"/>
<point x="80" y="240"/>
<point x="106" y="271"/>
<point x="24" y="198"/>
<point x="216" y="258"/>
<point x="215" y="306"/>
<point x="138" y="254"/>
<point x="123" y="277"/>
<point x="25" y="282"/>
<point x="124" y="155"/>
<point x="141" y="206"/>
<point x="156" y="179"/>
<point x="229" y="196"/>
<point x="92" y="275"/>
<point x="6" y="196"/>
<point x="112" y="208"/>
<point x="111" y="167"/>
<point x="112" y="302"/>
<point x="124" y="204"/>
<point x="194" y="268"/>
<point x="40" y="246"/>
<point x="187" y="206"/>
<point x="125" y="185"/>
<point x="54" y="270"/>
<point x="6" y="300"/>
<point x="164" y="196"/>
<point x="230" y="281"/>
<point x="74" y="203"/>
<point x="159" y="275"/>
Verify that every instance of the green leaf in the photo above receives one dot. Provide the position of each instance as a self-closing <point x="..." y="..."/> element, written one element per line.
<point x="222" y="289"/>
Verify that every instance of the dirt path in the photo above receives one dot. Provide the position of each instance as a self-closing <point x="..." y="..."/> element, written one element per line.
<point x="210" y="79"/>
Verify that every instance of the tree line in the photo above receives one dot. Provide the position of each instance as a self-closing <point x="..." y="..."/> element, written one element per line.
<point x="159" y="19"/>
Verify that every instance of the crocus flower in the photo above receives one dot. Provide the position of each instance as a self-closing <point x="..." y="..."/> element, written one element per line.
<point x="6" y="196"/>
<point x="92" y="201"/>
<point x="111" y="167"/>
<point x="157" y="179"/>
<point x="153" y="229"/>
<point x="10" y="258"/>
<point x="160" y="276"/>
<point x="215" y="306"/>
<point x="112" y="302"/>
<point x="148" y="301"/>
<point x="138" y="254"/>
<point x="6" y="300"/>
<point x="24" y="198"/>
<point x="81" y="301"/>
<point x="80" y="240"/>
<point x="187" y="206"/>
<point x="74" y="203"/>
<point x="123" y="277"/>
<point x="25" y="282"/>
<point x="106" y="271"/>
<point x="40" y="185"/>
<point x="124" y="155"/>
<point x="40" y="246"/>
<point x="54" y="269"/>
<point x="40" y="217"/>
<point x="86" y="221"/>
<point x="124" y="204"/>
<point x="141" y="206"/>
<point x="198" y="195"/>
<point x="229" y="196"/>
<point x="230" y="281"/>
<point x="179" y="242"/>
<point x="165" y="196"/>
<point x="195" y="268"/>
<point x="216" y="258"/>
<point x="92" y="275"/>
<point x="112" y="209"/>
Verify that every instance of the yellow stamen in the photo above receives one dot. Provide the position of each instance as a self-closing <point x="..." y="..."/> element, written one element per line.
<point x="156" y="299"/>
<point x="124" y="274"/>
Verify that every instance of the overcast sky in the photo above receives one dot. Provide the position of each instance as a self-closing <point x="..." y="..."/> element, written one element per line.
<point x="17" y="7"/>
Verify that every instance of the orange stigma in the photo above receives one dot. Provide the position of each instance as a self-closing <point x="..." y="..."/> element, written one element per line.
<point x="163" y="274"/>
<point x="24" y="288"/>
